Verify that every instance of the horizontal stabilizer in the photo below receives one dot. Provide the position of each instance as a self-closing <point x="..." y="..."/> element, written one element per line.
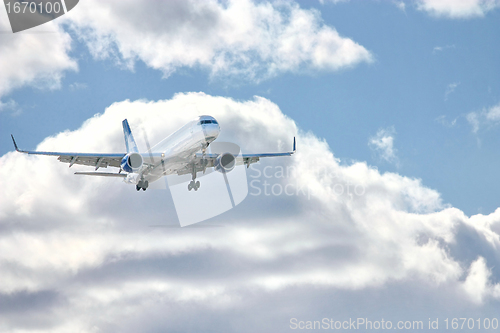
<point x="103" y="174"/>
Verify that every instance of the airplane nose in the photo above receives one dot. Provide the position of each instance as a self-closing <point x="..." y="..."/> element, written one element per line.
<point x="212" y="132"/>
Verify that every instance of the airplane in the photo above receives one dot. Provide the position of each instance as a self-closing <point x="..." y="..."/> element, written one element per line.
<point x="183" y="152"/>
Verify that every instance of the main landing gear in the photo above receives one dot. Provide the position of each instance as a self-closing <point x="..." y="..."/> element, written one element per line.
<point x="142" y="184"/>
<point x="194" y="184"/>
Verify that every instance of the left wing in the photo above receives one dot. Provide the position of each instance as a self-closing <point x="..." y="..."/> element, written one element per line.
<point x="254" y="158"/>
<point x="207" y="160"/>
<point x="96" y="160"/>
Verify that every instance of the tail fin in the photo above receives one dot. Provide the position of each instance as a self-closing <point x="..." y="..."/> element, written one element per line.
<point x="129" y="138"/>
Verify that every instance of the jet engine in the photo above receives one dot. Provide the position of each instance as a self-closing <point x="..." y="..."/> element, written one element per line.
<point x="131" y="162"/>
<point x="225" y="162"/>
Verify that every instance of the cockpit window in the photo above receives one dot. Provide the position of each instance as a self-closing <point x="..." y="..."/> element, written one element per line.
<point x="207" y="122"/>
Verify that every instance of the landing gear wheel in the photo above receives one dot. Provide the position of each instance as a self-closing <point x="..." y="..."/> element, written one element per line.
<point x="142" y="184"/>
<point x="194" y="185"/>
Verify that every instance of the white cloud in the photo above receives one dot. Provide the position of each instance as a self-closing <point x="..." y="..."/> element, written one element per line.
<point x="332" y="1"/>
<point x="77" y="253"/>
<point x="442" y="120"/>
<point x="477" y="284"/>
<point x="457" y="9"/>
<point x="493" y="113"/>
<point x="450" y="89"/>
<point x="442" y="48"/>
<point x="454" y="9"/>
<point x="10" y="105"/>
<point x="487" y="117"/>
<point x="237" y="39"/>
<point x="401" y="5"/>
<point x="77" y="86"/>
<point x="21" y="62"/>
<point x="251" y="41"/>
<point x="473" y="120"/>
<point x="383" y="144"/>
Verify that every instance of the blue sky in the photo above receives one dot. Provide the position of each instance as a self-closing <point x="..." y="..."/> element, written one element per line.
<point x="399" y="98"/>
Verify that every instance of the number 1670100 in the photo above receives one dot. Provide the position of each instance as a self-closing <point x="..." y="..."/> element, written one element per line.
<point x="33" y="7"/>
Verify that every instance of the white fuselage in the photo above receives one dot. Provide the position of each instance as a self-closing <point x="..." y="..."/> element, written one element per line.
<point x="180" y="147"/>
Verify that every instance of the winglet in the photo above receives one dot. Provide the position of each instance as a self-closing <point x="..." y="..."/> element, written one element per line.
<point x="15" y="144"/>
<point x="294" y="145"/>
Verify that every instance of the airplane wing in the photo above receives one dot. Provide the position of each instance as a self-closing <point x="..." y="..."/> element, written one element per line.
<point x="96" y="160"/>
<point x="207" y="160"/>
<point x="99" y="160"/>
<point x="246" y="159"/>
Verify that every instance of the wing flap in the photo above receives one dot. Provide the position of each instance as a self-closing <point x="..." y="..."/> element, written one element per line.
<point x="95" y="161"/>
<point x="102" y="174"/>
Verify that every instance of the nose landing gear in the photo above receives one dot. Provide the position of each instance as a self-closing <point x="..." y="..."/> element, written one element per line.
<point x="194" y="184"/>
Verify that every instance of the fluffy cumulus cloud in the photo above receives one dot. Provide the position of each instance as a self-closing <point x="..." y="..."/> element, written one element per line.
<point x="244" y="39"/>
<point x="21" y="62"/>
<point x="90" y="254"/>
<point x="457" y="9"/>
<point x="251" y="41"/>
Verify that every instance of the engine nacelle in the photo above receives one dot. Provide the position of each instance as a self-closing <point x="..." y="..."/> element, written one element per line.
<point x="225" y="162"/>
<point x="131" y="162"/>
<point x="132" y="178"/>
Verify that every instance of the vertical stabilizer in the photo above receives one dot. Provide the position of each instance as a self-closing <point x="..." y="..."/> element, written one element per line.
<point x="129" y="138"/>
